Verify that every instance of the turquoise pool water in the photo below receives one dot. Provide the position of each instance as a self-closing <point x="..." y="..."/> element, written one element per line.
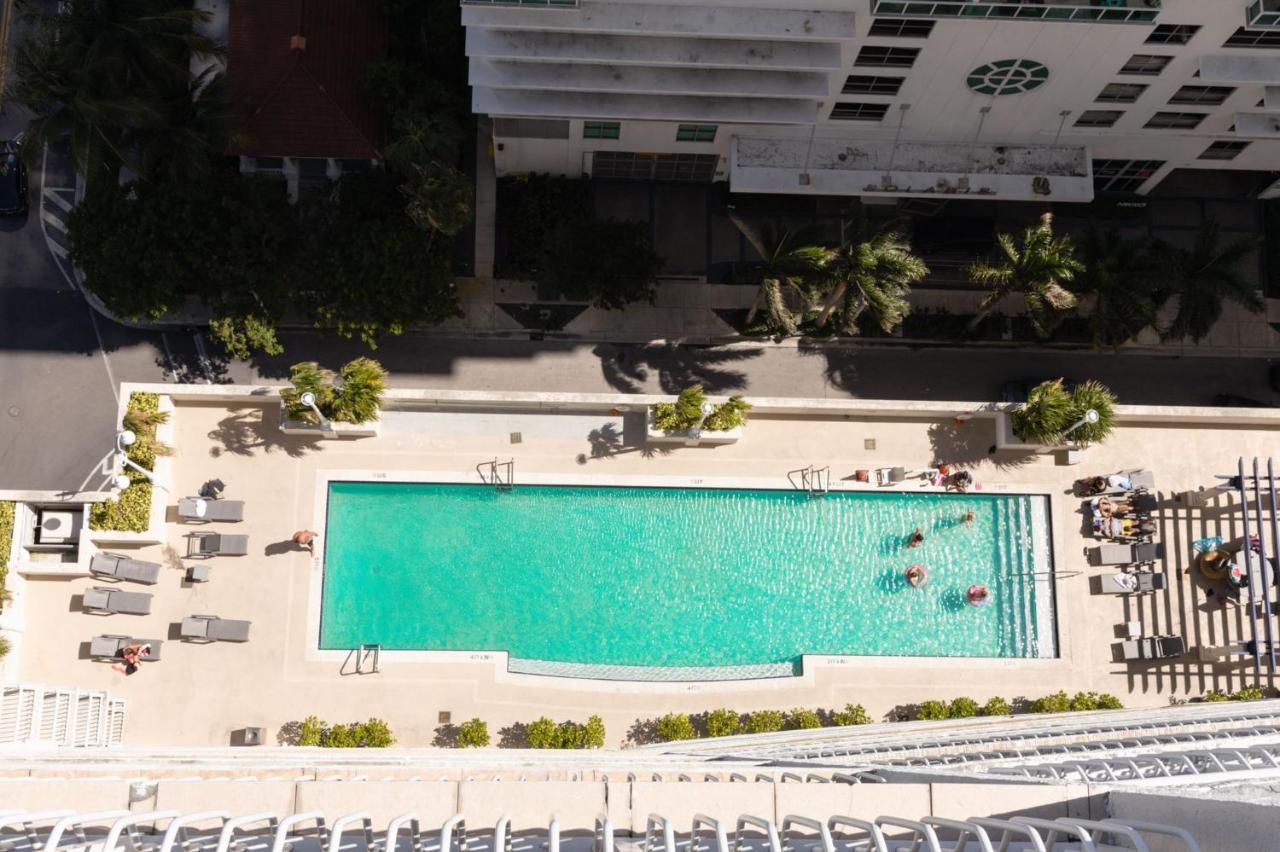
<point x="679" y="576"/>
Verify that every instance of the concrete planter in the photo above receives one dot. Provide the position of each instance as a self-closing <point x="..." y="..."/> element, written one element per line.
<point x="336" y="430"/>
<point x="654" y="435"/>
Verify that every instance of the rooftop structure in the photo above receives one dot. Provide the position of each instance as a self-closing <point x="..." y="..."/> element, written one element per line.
<point x="645" y="90"/>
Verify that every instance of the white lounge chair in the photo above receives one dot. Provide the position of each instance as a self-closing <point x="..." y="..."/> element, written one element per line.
<point x="103" y="599"/>
<point x="109" y="646"/>
<point x="217" y="544"/>
<point x="123" y="568"/>
<point x="211" y="628"/>
<point x="890" y="475"/>
<point x="208" y="511"/>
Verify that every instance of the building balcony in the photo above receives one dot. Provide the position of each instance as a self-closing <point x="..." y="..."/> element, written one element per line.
<point x="1078" y="11"/>
<point x="1264" y="14"/>
<point x="560" y="4"/>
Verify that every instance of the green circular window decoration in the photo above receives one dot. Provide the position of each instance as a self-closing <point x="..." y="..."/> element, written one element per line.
<point x="1007" y="77"/>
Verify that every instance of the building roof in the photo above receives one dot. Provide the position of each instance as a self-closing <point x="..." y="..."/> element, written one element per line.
<point x="295" y="67"/>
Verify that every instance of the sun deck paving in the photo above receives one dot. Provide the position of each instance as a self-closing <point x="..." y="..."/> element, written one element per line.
<point x="200" y="693"/>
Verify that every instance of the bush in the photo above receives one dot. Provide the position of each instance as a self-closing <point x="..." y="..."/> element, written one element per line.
<point x="130" y="511"/>
<point x="1083" y="701"/>
<point x="852" y="714"/>
<point x="376" y="734"/>
<point x="996" y="707"/>
<point x="473" y="733"/>
<point x="310" y="732"/>
<point x="364" y="381"/>
<point x="932" y="710"/>
<point x="1051" y="409"/>
<point x="4" y="647"/>
<point x="1106" y="701"/>
<point x="1055" y="703"/>
<point x="595" y="733"/>
<point x="6" y="543"/>
<point x="544" y="733"/>
<point x="675" y="726"/>
<point x="1216" y="695"/>
<point x="541" y="733"/>
<point x="1248" y="693"/>
<point x="723" y="723"/>
<point x="802" y="719"/>
<point x="686" y="411"/>
<point x="962" y="708"/>
<point x="763" y="722"/>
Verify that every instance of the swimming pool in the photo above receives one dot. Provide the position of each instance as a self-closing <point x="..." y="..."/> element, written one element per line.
<point x="681" y="577"/>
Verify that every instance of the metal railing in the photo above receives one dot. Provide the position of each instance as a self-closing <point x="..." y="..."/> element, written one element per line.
<point x="549" y="4"/>
<point x="1264" y="14"/>
<point x="1079" y="11"/>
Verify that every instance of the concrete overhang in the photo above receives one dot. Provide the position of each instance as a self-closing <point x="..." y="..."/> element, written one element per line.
<point x="639" y="80"/>
<point x="847" y="166"/>
<point x="1240" y="68"/>
<point x="654" y="107"/>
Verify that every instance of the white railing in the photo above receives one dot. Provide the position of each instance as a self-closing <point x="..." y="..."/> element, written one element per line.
<point x="34" y="713"/>
<point x="1080" y="11"/>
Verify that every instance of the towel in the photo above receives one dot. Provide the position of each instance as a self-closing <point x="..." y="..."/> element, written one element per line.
<point x="1206" y="545"/>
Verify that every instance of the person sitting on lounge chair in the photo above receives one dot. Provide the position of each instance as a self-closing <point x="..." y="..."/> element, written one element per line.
<point x="960" y="481"/>
<point x="131" y="655"/>
<point x="1107" y="507"/>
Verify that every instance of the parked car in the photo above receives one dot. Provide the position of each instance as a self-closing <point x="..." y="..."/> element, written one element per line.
<point x="13" y="180"/>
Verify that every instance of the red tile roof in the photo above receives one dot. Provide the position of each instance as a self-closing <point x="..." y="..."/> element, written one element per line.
<point x="300" y="97"/>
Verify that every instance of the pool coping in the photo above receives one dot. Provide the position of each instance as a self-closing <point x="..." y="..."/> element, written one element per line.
<point x="803" y="674"/>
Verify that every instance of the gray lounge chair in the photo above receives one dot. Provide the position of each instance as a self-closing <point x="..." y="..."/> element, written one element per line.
<point x="123" y="568"/>
<point x="1126" y="554"/>
<point x="218" y="544"/>
<point x="1153" y="648"/>
<point x="230" y="511"/>
<point x="1139" y="583"/>
<point x="104" y="599"/>
<point x="1141" y="479"/>
<point x="211" y="628"/>
<point x="108" y="646"/>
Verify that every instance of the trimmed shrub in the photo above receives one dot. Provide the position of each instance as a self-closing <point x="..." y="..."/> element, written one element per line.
<point x="4" y="647"/>
<point x="723" y="722"/>
<point x="1107" y="701"/>
<point x="6" y="542"/>
<point x="544" y="733"/>
<point x="1216" y="695"/>
<point x="932" y="710"/>
<point x="676" y="726"/>
<point x="595" y="732"/>
<point x="962" y="708"/>
<point x="376" y="733"/>
<point x="130" y="511"/>
<point x="541" y="733"/>
<point x="764" y="722"/>
<point x="310" y="732"/>
<point x="802" y="719"/>
<point x="364" y="381"/>
<point x="1055" y="703"/>
<point x="473" y="733"/>
<point x="1248" y="693"/>
<point x="996" y="706"/>
<point x="686" y="411"/>
<point x="852" y="714"/>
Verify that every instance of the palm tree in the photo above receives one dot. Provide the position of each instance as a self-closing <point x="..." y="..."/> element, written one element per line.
<point x="197" y="125"/>
<point x="789" y="259"/>
<point x="94" y="71"/>
<point x="1202" y="278"/>
<point x="871" y="275"/>
<point x="1119" y="285"/>
<point x="1033" y="269"/>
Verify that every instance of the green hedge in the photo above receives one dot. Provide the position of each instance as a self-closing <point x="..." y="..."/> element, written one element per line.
<point x="1248" y="693"/>
<point x="6" y="542"/>
<point x="473" y="733"/>
<point x="131" y="510"/>
<point x="544" y="733"/>
<point x="312" y="732"/>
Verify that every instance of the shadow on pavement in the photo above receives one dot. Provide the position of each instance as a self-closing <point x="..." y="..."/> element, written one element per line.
<point x="629" y="368"/>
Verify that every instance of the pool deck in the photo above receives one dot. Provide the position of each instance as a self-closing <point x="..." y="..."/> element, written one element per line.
<point x="198" y="694"/>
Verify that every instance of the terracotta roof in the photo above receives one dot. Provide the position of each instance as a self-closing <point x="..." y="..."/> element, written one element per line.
<point x="295" y="66"/>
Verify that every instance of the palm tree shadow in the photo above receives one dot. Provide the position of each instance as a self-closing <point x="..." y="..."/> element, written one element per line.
<point x="628" y="368"/>
<point x="609" y="442"/>
<point x="246" y="430"/>
<point x="971" y="443"/>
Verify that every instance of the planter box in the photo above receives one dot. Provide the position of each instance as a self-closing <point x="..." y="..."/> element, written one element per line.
<point x="335" y="431"/>
<point x="654" y="435"/>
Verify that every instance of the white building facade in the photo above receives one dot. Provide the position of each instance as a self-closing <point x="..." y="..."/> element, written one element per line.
<point x="1057" y="100"/>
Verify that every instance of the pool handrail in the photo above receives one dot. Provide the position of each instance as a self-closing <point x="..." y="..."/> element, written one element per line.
<point x="502" y="841"/>
<point x="553" y="835"/>
<point x="1098" y="830"/>
<point x="765" y="825"/>
<point x="654" y="824"/>
<point x="339" y="828"/>
<point x="179" y="823"/>
<point x="874" y="833"/>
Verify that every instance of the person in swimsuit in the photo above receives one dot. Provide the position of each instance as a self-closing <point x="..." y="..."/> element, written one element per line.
<point x="131" y="658"/>
<point x="916" y="539"/>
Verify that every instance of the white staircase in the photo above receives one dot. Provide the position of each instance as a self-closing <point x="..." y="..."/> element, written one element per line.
<point x="34" y="713"/>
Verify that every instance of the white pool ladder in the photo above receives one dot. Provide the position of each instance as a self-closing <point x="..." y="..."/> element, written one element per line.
<point x="813" y="481"/>
<point x="501" y="475"/>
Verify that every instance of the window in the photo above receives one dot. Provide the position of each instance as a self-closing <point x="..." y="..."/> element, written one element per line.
<point x="905" y="28"/>
<point x="1201" y="95"/>
<point x="887" y="57"/>
<point x="630" y="165"/>
<point x="857" y="84"/>
<point x="1145" y="64"/>
<point x="1098" y="117"/>
<point x="1223" y="150"/>
<point x="601" y="129"/>
<point x="1253" y="38"/>
<point x="1123" y="175"/>
<point x="859" y="112"/>
<point x="696" y="133"/>
<point x="1172" y="34"/>
<point x="1175" y="120"/>
<point x="531" y="128"/>
<point x="1121" y="93"/>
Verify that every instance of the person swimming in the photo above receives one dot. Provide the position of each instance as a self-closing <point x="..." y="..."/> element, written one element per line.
<point x="916" y="538"/>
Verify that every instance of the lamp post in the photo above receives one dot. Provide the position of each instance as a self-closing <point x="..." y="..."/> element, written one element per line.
<point x="695" y="434"/>
<point x="125" y="439"/>
<point x="309" y="400"/>
<point x="1090" y="416"/>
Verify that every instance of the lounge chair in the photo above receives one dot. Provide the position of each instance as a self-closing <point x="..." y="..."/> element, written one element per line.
<point x="1153" y="648"/>
<point x="211" y="628"/>
<point x="890" y="475"/>
<point x="1144" y="503"/>
<point x="1126" y="554"/>
<point x="1139" y="583"/>
<point x="108" y="646"/>
<point x="218" y="544"/>
<point x="104" y="599"/>
<point x="123" y="568"/>
<point x="208" y="511"/>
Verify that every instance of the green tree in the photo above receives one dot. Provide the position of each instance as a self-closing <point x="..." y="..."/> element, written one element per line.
<point x="788" y="258"/>
<point x="473" y="733"/>
<point x="197" y="126"/>
<point x="870" y="277"/>
<point x="1055" y="703"/>
<point x="933" y="710"/>
<point x="852" y="714"/>
<point x="1036" y="268"/>
<point x="803" y="718"/>
<point x="1047" y="411"/>
<point x="996" y="706"/>
<point x="675" y="726"/>
<point x="541" y="733"/>
<point x="1202" y="279"/>
<point x="602" y="261"/>
<point x="962" y="708"/>
<point x="1117" y="286"/>
<point x="764" y="722"/>
<point x="96" y="73"/>
<point x="723" y="722"/>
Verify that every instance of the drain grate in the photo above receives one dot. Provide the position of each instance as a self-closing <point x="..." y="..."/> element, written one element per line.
<point x="516" y="437"/>
<point x="869" y="443"/>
